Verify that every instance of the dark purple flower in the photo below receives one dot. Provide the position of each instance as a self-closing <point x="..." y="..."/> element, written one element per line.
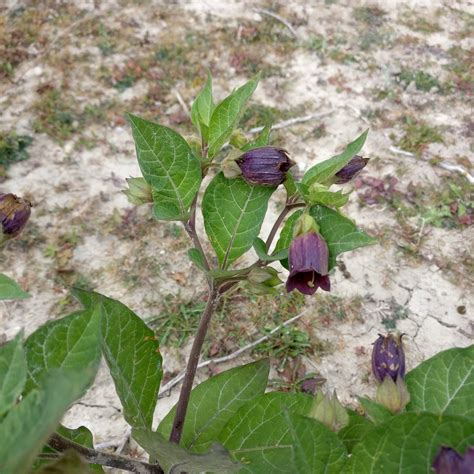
<point x="308" y="260"/>
<point x="14" y="214"/>
<point x="448" y="461"/>
<point x="388" y="357"/>
<point x="266" y="166"/>
<point x="352" y="169"/>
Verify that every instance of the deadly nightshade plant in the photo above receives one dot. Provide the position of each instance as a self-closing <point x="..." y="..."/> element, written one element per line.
<point x="227" y="423"/>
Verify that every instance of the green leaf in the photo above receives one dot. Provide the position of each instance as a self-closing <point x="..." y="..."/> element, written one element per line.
<point x="72" y="342"/>
<point x="328" y="198"/>
<point x="174" y="458"/>
<point x="227" y="114"/>
<point x="444" y="384"/>
<point x="322" y="172"/>
<point x="357" y="428"/>
<point x="339" y="232"/>
<point x="268" y="435"/>
<point x="169" y="167"/>
<point x="9" y="290"/>
<point x="12" y="372"/>
<point x="202" y="108"/>
<point x="233" y="213"/>
<point x="262" y="140"/>
<point x="376" y="412"/>
<point x="214" y="401"/>
<point x="69" y="463"/>
<point x="290" y="185"/>
<point x="261" y="251"/>
<point x="227" y="274"/>
<point x="408" y="443"/>
<point x="197" y="258"/>
<point x="131" y="351"/>
<point x="28" y="425"/>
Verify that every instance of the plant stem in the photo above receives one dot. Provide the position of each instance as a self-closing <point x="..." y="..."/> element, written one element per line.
<point x="190" y="227"/>
<point x="288" y="208"/>
<point x="193" y="361"/>
<point x="59" y="443"/>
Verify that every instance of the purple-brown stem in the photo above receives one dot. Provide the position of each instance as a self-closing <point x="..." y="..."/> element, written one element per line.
<point x="182" y="405"/>
<point x="59" y="443"/>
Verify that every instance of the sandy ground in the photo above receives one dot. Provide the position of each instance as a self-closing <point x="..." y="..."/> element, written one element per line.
<point x="348" y="62"/>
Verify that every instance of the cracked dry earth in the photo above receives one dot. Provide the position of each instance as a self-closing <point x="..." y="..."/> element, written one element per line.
<point x="90" y="62"/>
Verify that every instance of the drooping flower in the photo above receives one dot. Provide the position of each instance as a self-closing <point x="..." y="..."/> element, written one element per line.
<point x="449" y="461"/>
<point x="351" y="170"/>
<point x="265" y="166"/>
<point x="308" y="257"/>
<point x="14" y="214"/>
<point x="388" y="357"/>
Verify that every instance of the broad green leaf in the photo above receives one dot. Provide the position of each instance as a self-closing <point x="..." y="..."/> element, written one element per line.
<point x="69" y="463"/>
<point x="197" y="258"/>
<point x="12" y="372"/>
<point x="214" y="401"/>
<point x="357" y="428"/>
<point x="9" y="289"/>
<point x="262" y="140"/>
<point x="202" y="108"/>
<point x="233" y="213"/>
<point x="339" y="232"/>
<point x="328" y="198"/>
<point x="227" y="114"/>
<point x="173" y="458"/>
<point x="325" y="170"/>
<point x="408" y="443"/>
<point x="376" y="412"/>
<point x="444" y="384"/>
<point x="131" y="351"/>
<point x="268" y="435"/>
<point x="169" y="167"/>
<point x="28" y="425"/>
<point x="72" y="342"/>
<point x="316" y="448"/>
<point x="261" y="251"/>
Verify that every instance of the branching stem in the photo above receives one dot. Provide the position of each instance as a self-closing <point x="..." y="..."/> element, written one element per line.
<point x="59" y="443"/>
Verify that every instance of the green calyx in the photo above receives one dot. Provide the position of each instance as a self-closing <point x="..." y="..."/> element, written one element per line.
<point x="305" y="224"/>
<point x="328" y="410"/>
<point x="138" y="192"/>
<point x="393" y="395"/>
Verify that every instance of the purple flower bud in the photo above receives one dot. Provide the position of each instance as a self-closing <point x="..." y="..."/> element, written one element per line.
<point x="266" y="166"/>
<point x="14" y="214"/>
<point x="308" y="260"/>
<point x="448" y="461"/>
<point x="352" y="169"/>
<point x="388" y="357"/>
